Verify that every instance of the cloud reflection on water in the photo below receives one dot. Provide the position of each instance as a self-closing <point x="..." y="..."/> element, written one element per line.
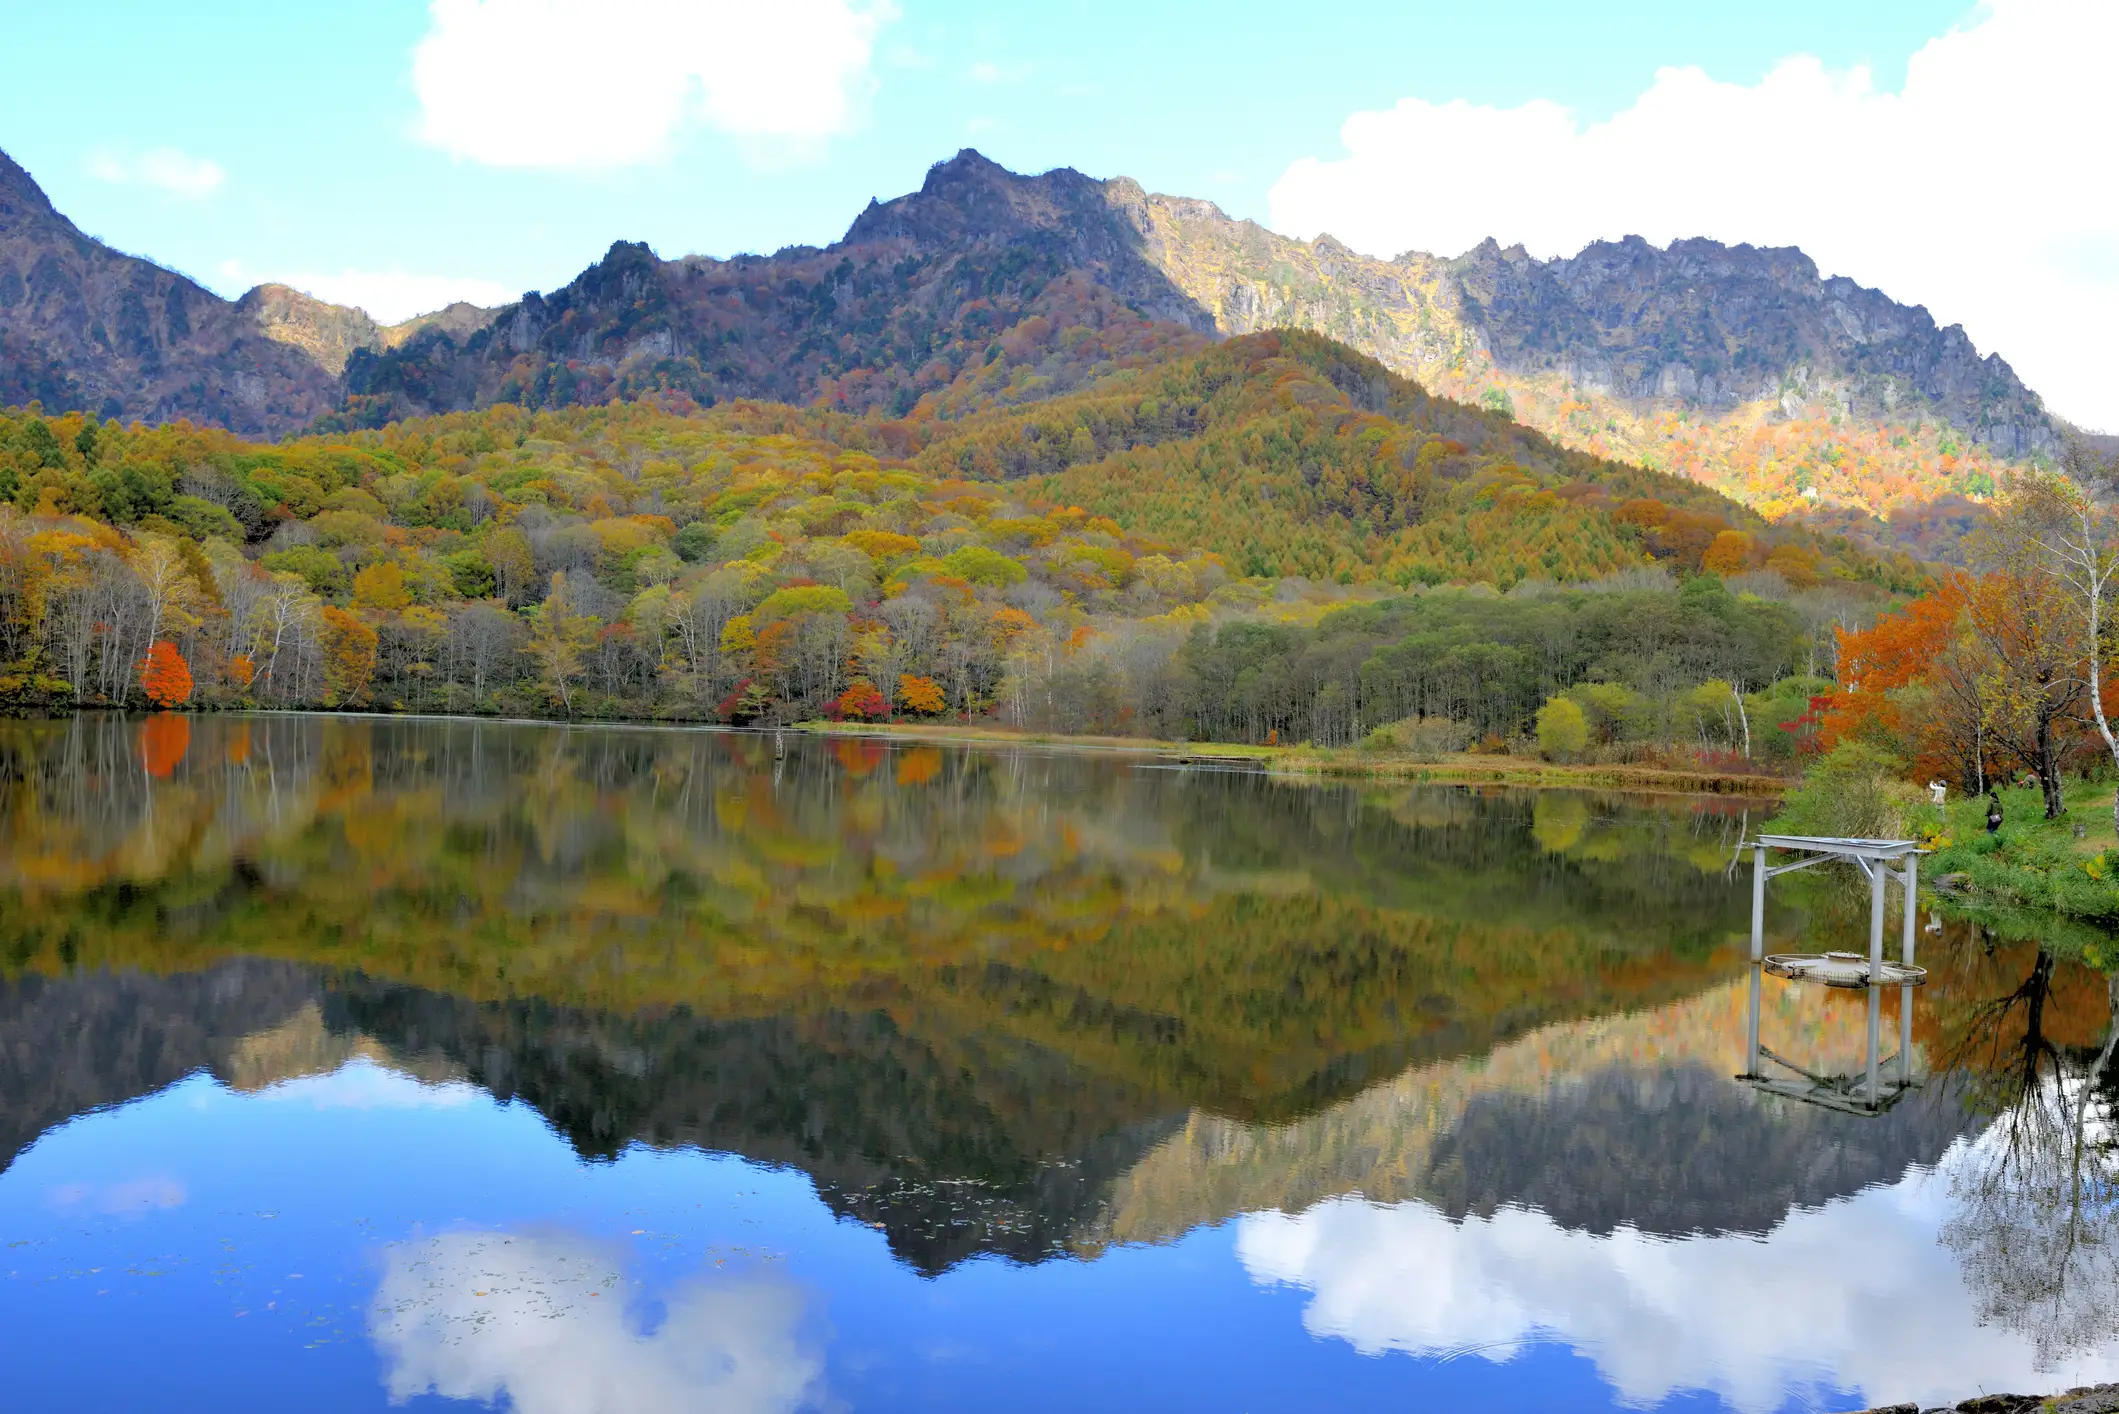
<point x="543" y="1321"/>
<point x="1858" y="1294"/>
<point x="132" y="1198"/>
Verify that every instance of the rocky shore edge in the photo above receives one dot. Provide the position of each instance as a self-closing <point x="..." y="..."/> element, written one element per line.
<point x="2087" y="1399"/>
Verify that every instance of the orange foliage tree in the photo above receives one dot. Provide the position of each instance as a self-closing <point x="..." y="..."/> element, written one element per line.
<point x="922" y="695"/>
<point x="164" y="738"/>
<point x="164" y="675"/>
<point x="1729" y="553"/>
<point x="1877" y="663"/>
<point x="1912" y="682"/>
<point x="1981" y="671"/>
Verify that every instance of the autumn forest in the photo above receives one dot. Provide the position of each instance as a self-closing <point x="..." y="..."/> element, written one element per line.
<point x="1269" y="539"/>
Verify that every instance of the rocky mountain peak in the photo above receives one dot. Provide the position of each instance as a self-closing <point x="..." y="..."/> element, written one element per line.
<point x="928" y="283"/>
<point x="20" y="196"/>
<point x="971" y="200"/>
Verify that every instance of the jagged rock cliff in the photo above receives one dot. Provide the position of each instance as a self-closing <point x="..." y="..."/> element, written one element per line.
<point x="1700" y="324"/>
<point x="919" y="287"/>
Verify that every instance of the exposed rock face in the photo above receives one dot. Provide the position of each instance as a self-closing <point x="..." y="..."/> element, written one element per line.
<point x="874" y="320"/>
<point x="329" y="333"/>
<point x="1672" y="1150"/>
<point x="459" y="320"/>
<point x="83" y="326"/>
<point x="1700" y="324"/>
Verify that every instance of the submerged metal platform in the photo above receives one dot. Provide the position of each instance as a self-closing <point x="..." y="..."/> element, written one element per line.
<point x="1843" y="969"/>
<point x="1870" y="1093"/>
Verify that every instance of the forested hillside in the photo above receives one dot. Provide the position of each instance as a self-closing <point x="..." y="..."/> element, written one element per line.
<point x="1097" y="561"/>
<point x="1806" y="398"/>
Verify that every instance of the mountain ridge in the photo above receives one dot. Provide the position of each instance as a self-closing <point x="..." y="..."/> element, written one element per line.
<point x="920" y="288"/>
<point x="1740" y="366"/>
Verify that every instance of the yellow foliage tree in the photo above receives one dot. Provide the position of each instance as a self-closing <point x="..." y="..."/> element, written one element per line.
<point x="349" y="656"/>
<point x="561" y="635"/>
<point x="381" y="587"/>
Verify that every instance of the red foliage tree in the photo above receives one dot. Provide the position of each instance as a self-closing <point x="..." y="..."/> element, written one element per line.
<point x="861" y="700"/>
<point x="164" y="675"/>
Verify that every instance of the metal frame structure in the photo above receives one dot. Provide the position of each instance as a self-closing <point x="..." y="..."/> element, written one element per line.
<point x="1874" y="858"/>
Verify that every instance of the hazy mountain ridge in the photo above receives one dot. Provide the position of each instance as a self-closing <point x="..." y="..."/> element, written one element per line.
<point x="83" y="326"/>
<point x="1735" y="365"/>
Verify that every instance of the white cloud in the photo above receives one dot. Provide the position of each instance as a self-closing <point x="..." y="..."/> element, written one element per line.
<point x="1859" y="1294"/>
<point x="541" y="1323"/>
<point x="388" y="296"/>
<point x="590" y="84"/>
<point x="1974" y="190"/>
<point x="164" y="168"/>
<point x="391" y="296"/>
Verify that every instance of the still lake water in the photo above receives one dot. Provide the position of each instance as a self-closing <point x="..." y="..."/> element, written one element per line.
<point x="349" y="1064"/>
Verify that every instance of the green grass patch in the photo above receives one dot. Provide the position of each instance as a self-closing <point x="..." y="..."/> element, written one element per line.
<point x="2033" y="865"/>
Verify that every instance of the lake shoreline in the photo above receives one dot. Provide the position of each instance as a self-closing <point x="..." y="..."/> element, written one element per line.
<point x="1349" y="763"/>
<point x="1333" y="763"/>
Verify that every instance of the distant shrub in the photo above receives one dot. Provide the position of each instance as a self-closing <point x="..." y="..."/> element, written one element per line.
<point x="1562" y="730"/>
<point x="980" y="565"/>
<point x="1421" y="736"/>
<point x="1855" y="791"/>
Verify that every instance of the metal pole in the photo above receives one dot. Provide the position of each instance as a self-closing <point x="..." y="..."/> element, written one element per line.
<point x="1758" y="953"/>
<point x="1758" y="977"/>
<point x="1876" y="967"/>
<point x="1911" y="882"/>
<point x="1758" y="902"/>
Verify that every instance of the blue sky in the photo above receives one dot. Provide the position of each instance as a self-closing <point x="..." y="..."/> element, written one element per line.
<point x="393" y="152"/>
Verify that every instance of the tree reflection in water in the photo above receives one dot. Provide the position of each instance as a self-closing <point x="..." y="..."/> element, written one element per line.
<point x="1011" y="1002"/>
<point x="2036" y="1220"/>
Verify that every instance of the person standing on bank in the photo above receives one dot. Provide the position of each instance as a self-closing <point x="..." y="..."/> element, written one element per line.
<point x="1993" y="813"/>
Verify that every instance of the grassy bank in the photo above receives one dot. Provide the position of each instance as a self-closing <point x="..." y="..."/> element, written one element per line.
<point x="2032" y="864"/>
<point x="1520" y="770"/>
<point x="1345" y="762"/>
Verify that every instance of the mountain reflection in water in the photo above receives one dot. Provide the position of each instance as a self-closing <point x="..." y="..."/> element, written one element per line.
<point x="1457" y="1062"/>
